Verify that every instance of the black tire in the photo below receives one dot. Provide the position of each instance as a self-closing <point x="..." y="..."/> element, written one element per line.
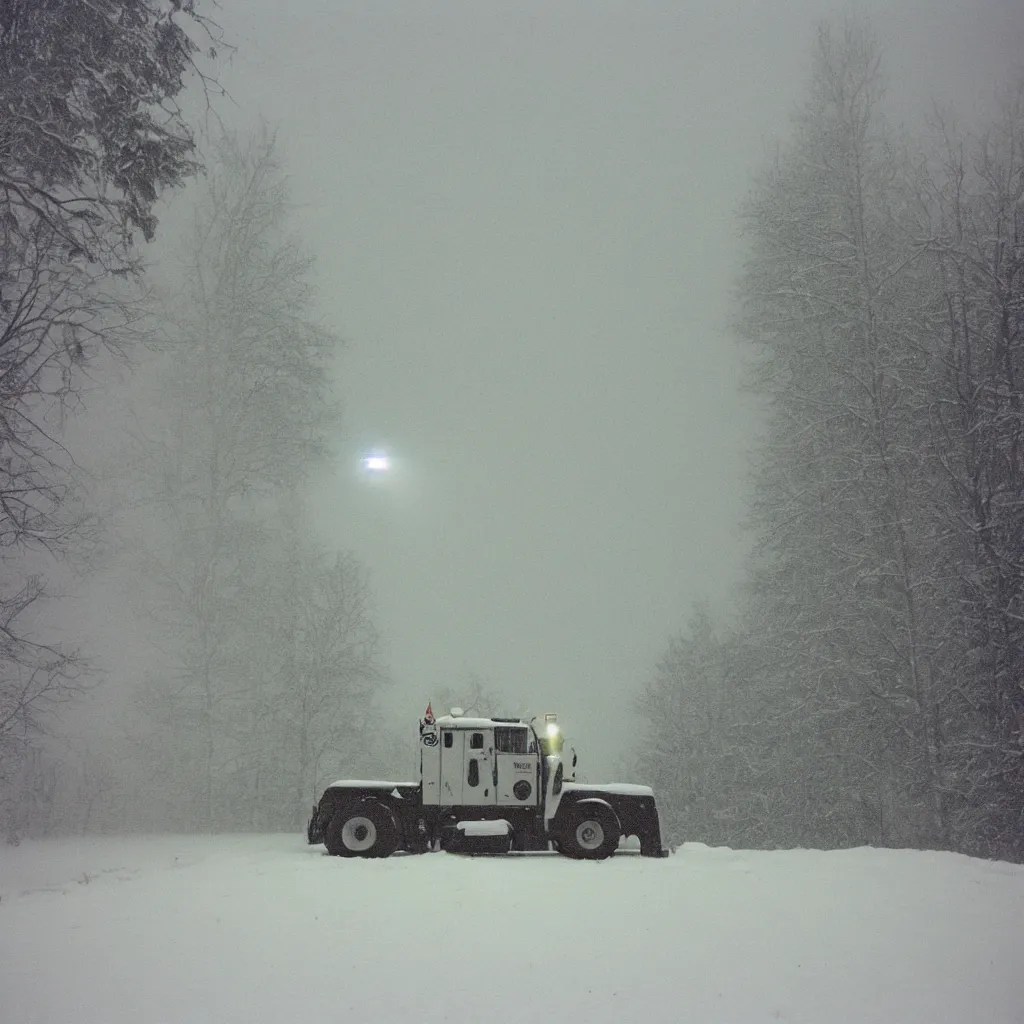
<point x="590" y="831"/>
<point x="366" y="829"/>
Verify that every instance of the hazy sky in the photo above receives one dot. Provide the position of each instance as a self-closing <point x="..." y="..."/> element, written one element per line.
<point x="523" y="217"/>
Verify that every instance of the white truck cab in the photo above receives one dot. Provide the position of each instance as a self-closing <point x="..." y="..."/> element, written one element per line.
<point x="482" y="762"/>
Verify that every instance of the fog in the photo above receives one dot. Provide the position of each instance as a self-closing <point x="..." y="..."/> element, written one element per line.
<point x="523" y="218"/>
<point x="524" y="222"/>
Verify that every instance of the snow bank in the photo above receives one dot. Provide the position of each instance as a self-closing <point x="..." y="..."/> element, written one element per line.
<point x="189" y="930"/>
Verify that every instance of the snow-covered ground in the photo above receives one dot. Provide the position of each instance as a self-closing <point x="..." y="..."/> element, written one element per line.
<point x="266" y="929"/>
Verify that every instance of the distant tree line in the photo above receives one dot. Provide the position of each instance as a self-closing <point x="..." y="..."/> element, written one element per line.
<point x="871" y="687"/>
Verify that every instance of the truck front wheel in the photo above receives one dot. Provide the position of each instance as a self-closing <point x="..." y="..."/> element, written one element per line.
<point x="367" y="829"/>
<point x="590" y="832"/>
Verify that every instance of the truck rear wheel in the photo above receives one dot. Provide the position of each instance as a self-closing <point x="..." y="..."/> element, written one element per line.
<point x="366" y="829"/>
<point x="590" y="832"/>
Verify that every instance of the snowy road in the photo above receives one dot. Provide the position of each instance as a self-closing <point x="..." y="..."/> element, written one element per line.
<point x="266" y="929"/>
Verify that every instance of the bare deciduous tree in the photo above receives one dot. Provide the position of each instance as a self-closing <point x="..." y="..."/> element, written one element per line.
<point x="90" y="136"/>
<point x="243" y="417"/>
<point x="977" y="421"/>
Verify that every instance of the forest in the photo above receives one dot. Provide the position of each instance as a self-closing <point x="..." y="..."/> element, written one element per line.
<point x="867" y="690"/>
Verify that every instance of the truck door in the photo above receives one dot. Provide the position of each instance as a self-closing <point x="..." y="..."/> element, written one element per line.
<point x="478" y="775"/>
<point x="517" y="767"/>
<point x="452" y="766"/>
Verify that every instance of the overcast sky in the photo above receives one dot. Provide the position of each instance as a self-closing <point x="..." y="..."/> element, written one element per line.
<point x="523" y="217"/>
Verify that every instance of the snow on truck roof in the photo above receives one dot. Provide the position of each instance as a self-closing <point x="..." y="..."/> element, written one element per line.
<point x="479" y="723"/>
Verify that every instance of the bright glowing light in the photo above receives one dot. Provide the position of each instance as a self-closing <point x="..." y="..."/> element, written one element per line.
<point x="376" y="463"/>
<point x="552" y="729"/>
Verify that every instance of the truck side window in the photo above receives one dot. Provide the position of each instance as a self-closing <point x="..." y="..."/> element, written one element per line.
<point x="448" y="739"/>
<point x="510" y="741"/>
<point x="473" y="778"/>
<point x="477" y="741"/>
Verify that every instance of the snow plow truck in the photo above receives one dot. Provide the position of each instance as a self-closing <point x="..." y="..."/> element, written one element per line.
<point x="487" y="785"/>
